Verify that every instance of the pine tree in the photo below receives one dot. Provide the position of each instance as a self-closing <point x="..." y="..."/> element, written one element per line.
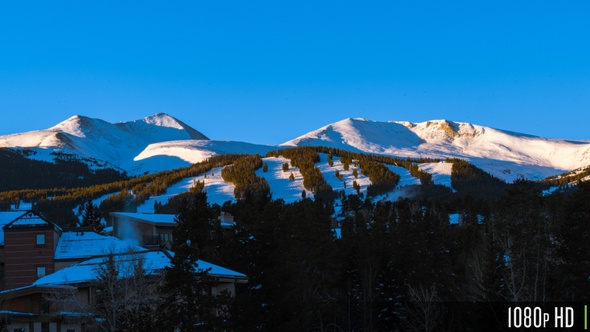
<point x="265" y="168"/>
<point x="91" y="217"/>
<point x="188" y="302"/>
<point x="285" y="167"/>
<point x="292" y="177"/>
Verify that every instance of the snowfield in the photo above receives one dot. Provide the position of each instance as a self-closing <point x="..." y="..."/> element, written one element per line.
<point x="218" y="191"/>
<point x="504" y="154"/>
<point x="160" y="142"/>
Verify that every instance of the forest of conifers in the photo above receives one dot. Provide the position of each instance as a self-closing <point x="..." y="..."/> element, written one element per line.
<point x="394" y="266"/>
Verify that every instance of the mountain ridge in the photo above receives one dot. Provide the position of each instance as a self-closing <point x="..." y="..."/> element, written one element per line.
<point x="507" y="155"/>
<point x="160" y="142"/>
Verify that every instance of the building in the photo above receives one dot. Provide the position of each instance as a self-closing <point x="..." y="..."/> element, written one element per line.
<point x="39" y="259"/>
<point x="153" y="230"/>
<point x="147" y="230"/>
<point x="29" y="246"/>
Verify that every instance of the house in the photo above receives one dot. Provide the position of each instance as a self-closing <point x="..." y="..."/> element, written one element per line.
<point x="29" y="246"/>
<point x="147" y="230"/>
<point x="153" y="230"/>
<point x="33" y="247"/>
<point x="40" y="259"/>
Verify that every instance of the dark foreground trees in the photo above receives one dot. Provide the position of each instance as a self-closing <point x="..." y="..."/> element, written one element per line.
<point x="395" y="257"/>
<point x="187" y="303"/>
<point x="392" y="266"/>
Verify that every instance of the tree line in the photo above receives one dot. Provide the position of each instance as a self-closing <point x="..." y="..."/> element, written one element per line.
<point x="242" y="174"/>
<point x="395" y="257"/>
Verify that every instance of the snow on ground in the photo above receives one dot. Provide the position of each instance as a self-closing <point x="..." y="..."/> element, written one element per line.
<point x="506" y="155"/>
<point x="347" y="177"/>
<point x="79" y="210"/>
<point x="218" y="191"/>
<point x="441" y="172"/>
<point x="40" y="153"/>
<point x="550" y="190"/>
<point x="280" y="185"/>
<point x="406" y="178"/>
<point x="454" y="218"/>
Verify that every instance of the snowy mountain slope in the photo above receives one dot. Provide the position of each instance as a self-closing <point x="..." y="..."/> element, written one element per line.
<point x="114" y="143"/>
<point x="160" y="156"/>
<point x="155" y="143"/>
<point x="504" y="154"/>
<point x="161" y="142"/>
<point x="219" y="191"/>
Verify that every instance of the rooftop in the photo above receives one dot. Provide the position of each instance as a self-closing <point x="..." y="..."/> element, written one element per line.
<point x="167" y="219"/>
<point x="5" y="218"/>
<point x="153" y="263"/>
<point x="28" y="219"/>
<point x="74" y="245"/>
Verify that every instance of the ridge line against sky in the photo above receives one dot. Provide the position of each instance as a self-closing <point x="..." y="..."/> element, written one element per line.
<point x="266" y="72"/>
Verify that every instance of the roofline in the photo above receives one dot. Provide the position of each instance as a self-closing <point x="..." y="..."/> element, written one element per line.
<point x="31" y="289"/>
<point x="136" y="219"/>
<point x="6" y="227"/>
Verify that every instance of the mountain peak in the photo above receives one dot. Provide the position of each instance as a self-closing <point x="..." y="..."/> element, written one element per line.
<point x="77" y="125"/>
<point x="164" y="120"/>
<point x="167" y="121"/>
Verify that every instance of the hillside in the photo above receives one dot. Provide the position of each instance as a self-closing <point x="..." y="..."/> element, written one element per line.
<point x="161" y="142"/>
<point x="504" y="154"/>
<point x="116" y="144"/>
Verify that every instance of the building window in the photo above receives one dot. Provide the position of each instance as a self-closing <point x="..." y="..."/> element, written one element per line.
<point x="44" y="307"/>
<point x="165" y="237"/>
<point x="40" y="271"/>
<point x="40" y="239"/>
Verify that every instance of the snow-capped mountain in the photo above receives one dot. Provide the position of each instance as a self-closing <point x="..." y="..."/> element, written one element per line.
<point x="504" y="154"/>
<point x="161" y="142"/>
<point x="155" y="143"/>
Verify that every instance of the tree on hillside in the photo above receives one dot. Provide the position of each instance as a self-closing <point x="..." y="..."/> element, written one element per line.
<point x="91" y="217"/>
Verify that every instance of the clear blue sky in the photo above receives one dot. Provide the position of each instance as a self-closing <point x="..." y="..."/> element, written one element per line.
<point x="268" y="71"/>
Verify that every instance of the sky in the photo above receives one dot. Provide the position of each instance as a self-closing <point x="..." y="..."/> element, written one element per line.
<point x="269" y="71"/>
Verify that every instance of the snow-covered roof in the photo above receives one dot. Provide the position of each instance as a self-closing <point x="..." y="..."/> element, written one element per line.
<point x="5" y="218"/>
<point x="151" y="218"/>
<point x="73" y="245"/>
<point x="153" y="262"/>
<point x="29" y="219"/>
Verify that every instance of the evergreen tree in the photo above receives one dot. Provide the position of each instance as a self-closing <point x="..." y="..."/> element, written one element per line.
<point x="265" y="168"/>
<point x="573" y="238"/>
<point x="187" y="301"/>
<point x="188" y="304"/>
<point x="91" y="217"/>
